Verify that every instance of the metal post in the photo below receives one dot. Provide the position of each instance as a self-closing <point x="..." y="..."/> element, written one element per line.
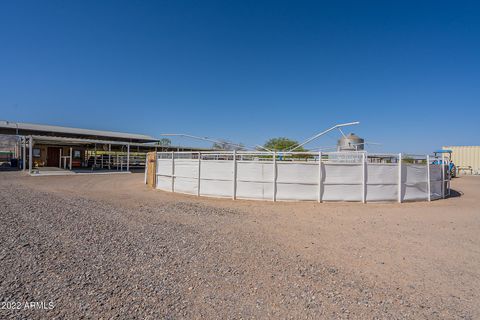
<point x="199" y="172"/>
<point x="24" y="155"/>
<point x="274" y="196"/>
<point x="364" y="179"/>
<point x="234" y="180"/>
<point x="30" y="155"/>
<point x="71" y="153"/>
<point x="320" y="177"/>
<point x="399" y="178"/>
<point x="95" y="157"/>
<point x="428" y="178"/>
<point x="449" y="175"/>
<point x="128" y="157"/>
<point x="110" y="156"/>
<point x="443" y="176"/>
<point x="146" y="168"/>
<point x="60" y="159"/>
<point x="173" y="171"/>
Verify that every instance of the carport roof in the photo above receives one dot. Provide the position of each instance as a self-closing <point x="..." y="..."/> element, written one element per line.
<point x="49" y="140"/>
<point x="19" y="128"/>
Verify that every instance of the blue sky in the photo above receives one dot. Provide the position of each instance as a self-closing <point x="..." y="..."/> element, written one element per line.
<point x="247" y="70"/>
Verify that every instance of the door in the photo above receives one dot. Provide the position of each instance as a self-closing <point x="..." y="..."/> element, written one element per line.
<point x="53" y="156"/>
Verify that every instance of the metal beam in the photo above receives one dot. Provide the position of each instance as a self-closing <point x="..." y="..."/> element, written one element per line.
<point x="208" y="139"/>
<point x="321" y="134"/>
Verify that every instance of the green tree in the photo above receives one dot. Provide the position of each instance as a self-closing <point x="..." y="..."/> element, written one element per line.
<point x="282" y="144"/>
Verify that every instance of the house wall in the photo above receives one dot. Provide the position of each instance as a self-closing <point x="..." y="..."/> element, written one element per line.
<point x="41" y="160"/>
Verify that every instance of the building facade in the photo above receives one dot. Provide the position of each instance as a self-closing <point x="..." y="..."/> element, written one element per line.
<point x="465" y="158"/>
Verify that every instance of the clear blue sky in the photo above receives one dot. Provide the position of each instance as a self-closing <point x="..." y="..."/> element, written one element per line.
<point x="247" y="70"/>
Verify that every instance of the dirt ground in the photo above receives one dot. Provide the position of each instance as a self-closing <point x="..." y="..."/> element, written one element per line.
<point x="375" y="260"/>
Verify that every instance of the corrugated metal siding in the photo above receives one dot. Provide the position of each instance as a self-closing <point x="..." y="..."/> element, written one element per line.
<point x="466" y="156"/>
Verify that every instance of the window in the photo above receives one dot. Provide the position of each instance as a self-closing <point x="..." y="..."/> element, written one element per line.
<point x="36" y="152"/>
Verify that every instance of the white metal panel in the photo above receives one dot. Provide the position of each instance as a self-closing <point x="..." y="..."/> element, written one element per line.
<point x="255" y="190"/>
<point x="300" y="180"/>
<point x="255" y="171"/>
<point x="164" y="166"/>
<point x="379" y="192"/>
<point x="415" y="192"/>
<point x="186" y="168"/>
<point x="164" y="183"/>
<point x="382" y="173"/>
<point x="415" y="180"/>
<point x="295" y="191"/>
<point x="217" y="170"/>
<point x="303" y="173"/>
<point x="186" y="185"/>
<point x="415" y="173"/>
<point x="215" y="188"/>
<point x="341" y="192"/>
<point x="343" y="173"/>
<point x="466" y="156"/>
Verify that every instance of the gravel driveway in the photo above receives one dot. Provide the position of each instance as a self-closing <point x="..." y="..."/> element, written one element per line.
<point x="87" y="258"/>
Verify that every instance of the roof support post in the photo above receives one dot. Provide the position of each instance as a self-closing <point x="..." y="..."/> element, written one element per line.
<point x="30" y="155"/>
<point x="109" y="155"/>
<point x="128" y="157"/>
<point x="95" y="157"/>
<point x="71" y="153"/>
<point x="15" y="150"/>
<point x="60" y="158"/>
<point x="146" y="167"/>
<point x="24" y="153"/>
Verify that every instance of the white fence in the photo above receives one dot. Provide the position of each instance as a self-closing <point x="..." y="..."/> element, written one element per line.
<point x="334" y="176"/>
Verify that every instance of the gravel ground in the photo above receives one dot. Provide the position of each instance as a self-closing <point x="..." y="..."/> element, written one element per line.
<point x="173" y="260"/>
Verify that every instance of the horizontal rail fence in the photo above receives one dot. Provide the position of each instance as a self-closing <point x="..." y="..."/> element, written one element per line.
<point x="332" y="176"/>
<point x="115" y="160"/>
